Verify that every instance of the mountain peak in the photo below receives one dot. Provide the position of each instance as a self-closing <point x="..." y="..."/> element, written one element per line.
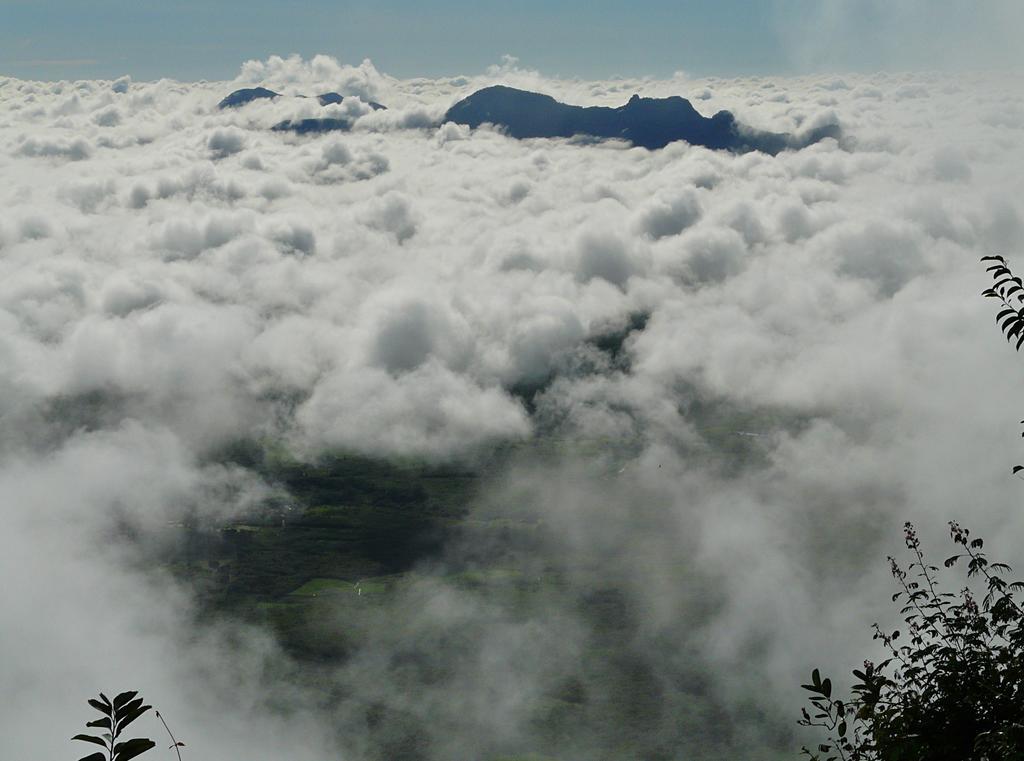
<point x="645" y="122"/>
<point x="246" y="95"/>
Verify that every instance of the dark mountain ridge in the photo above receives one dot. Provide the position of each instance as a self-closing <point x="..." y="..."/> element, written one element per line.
<point x="246" y="95"/>
<point x="646" y="122"/>
<point x="300" y="126"/>
<point x="249" y="94"/>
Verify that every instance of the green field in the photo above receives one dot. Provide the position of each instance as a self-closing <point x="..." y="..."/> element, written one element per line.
<point x="352" y="547"/>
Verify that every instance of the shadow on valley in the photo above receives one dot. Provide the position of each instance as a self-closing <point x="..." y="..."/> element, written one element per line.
<point x="534" y="601"/>
<point x="407" y="591"/>
<point x="400" y="604"/>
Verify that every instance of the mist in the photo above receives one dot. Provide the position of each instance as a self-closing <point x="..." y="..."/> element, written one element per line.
<point x="699" y="394"/>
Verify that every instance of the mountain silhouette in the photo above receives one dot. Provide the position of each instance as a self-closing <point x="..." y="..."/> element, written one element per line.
<point x="247" y="95"/>
<point x="307" y="126"/>
<point x="298" y="126"/>
<point x="321" y="124"/>
<point x="646" y="122"/>
<point x="329" y="98"/>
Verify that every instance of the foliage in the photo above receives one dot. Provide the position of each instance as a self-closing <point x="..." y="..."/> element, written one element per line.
<point x="954" y="691"/>
<point x="1009" y="289"/>
<point x="115" y="716"/>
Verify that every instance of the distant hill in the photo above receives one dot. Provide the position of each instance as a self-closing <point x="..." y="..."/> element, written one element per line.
<point x="306" y="126"/>
<point x="247" y="95"/>
<point x="646" y="122"/>
<point x="299" y="126"/>
<point x="329" y="98"/>
<point x="322" y="124"/>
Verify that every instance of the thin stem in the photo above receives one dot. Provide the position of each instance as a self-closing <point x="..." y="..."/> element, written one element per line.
<point x="901" y="577"/>
<point x="951" y="636"/>
<point x="170" y="734"/>
<point x="113" y="732"/>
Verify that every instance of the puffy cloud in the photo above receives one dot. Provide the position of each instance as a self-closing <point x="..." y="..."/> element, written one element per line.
<point x="671" y="215"/>
<point x="338" y="164"/>
<point x="225" y="142"/>
<point x="392" y="213"/>
<point x="424" y="412"/>
<point x="321" y="73"/>
<point x="121" y="84"/>
<point x="604" y="256"/>
<point x="108" y="117"/>
<point x="74" y="150"/>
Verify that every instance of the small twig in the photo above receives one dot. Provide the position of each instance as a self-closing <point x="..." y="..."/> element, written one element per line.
<point x="176" y="744"/>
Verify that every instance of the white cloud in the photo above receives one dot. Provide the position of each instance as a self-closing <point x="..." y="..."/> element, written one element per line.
<point x="321" y="73"/>
<point x="401" y="283"/>
<point x="225" y="142"/>
<point x="73" y="150"/>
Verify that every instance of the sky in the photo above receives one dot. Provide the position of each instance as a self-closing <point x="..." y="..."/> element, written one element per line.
<point x="68" y="39"/>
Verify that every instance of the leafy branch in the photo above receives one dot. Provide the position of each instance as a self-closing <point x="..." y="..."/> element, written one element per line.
<point x="1009" y="289"/>
<point x="953" y="689"/>
<point x="115" y="716"/>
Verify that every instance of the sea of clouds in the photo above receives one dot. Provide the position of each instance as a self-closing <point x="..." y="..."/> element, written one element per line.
<point x="192" y="278"/>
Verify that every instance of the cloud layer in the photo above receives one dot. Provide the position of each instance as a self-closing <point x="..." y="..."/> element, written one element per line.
<point x="174" y="278"/>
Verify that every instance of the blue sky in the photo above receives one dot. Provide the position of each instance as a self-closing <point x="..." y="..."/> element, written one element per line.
<point x="190" y="39"/>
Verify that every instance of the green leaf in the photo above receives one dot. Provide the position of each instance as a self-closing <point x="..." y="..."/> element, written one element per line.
<point x="130" y="706"/>
<point x="130" y="717"/>
<point x="93" y="757"/>
<point x="102" y="708"/>
<point x="826" y="688"/>
<point x="90" y="739"/>
<point x="124" y="697"/>
<point x="104" y="723"/>
<point x="131" y="748"/>
<point x="816" y="677"/>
